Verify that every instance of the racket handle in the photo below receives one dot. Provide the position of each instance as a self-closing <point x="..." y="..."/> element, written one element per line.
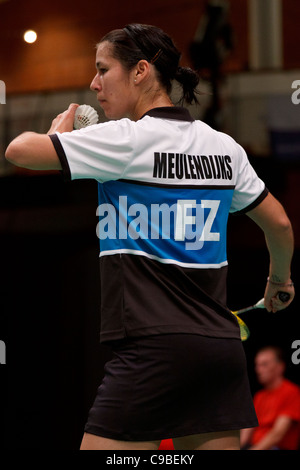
<point x="284" y="296"/>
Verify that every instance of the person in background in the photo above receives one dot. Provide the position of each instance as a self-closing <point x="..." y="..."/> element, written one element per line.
<point x="277" y="405"/>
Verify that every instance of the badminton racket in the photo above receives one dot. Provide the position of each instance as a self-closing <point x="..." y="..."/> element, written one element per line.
<point x="244" y="330"/>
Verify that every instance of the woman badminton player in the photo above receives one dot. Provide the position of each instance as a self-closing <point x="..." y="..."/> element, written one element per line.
<point x="178" y="369"/>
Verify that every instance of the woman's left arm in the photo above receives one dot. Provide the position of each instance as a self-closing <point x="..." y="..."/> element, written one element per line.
<point x="271" y="217"/>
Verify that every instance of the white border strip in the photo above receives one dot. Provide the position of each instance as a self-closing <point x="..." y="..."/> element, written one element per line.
<point x="163" y="260"/>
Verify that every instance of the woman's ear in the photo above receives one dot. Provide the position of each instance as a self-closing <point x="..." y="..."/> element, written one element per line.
<point x="141" y="71"/>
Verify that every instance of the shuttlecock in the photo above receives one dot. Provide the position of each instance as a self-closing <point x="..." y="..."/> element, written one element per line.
<point x="85" y="116"/>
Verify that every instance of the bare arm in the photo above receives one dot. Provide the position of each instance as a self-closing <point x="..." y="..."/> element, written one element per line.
<point x="271" y="217"/>
<point x="245" y="437"/>
<point x="274" y="436"/>
<point x="36" y="151"/>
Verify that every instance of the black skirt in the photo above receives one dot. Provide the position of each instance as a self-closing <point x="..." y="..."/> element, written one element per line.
<point x="159" y="387"/>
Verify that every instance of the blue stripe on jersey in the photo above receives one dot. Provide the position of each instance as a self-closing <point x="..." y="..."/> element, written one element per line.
<point x="182" y="225"/>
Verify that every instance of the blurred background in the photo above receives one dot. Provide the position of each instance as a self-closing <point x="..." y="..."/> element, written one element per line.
<point x="247" y="54"/>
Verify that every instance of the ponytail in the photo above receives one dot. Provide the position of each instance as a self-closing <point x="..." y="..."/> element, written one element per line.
<point x="189" y="80"/>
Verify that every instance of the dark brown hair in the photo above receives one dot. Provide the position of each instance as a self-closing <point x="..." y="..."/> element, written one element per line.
<point x="138" y="41"/>
<point x="278" y="352"/>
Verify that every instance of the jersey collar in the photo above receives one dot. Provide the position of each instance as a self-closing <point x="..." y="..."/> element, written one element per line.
<point x="170" y="112"/>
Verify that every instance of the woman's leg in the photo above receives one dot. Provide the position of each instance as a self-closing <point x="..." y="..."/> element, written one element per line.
<point x="93" y="442"/>
<point x="227" y="440"/>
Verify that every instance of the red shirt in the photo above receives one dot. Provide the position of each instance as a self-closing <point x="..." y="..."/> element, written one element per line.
<point x="281" y="401"/>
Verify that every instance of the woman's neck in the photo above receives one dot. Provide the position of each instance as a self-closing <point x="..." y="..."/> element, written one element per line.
<point x="159" y="100"/>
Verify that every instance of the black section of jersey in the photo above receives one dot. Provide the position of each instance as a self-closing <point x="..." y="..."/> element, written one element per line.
<point x="156" y="298"/>
<point x="62" y="157"/>
<point x="170" y="112"/>
<point x="162" y="184"/>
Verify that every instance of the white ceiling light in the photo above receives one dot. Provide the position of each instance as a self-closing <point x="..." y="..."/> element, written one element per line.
<point x="30" y="36"/>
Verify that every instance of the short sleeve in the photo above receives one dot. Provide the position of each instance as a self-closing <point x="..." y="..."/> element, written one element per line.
<point x="249" y="189"/>
<point x="100" y="152"/>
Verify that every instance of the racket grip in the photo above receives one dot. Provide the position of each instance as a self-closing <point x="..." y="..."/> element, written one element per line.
<point x="284" y="296"/>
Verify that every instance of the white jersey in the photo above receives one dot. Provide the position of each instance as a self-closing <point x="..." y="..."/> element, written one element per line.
<point x="167" y="184"/>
